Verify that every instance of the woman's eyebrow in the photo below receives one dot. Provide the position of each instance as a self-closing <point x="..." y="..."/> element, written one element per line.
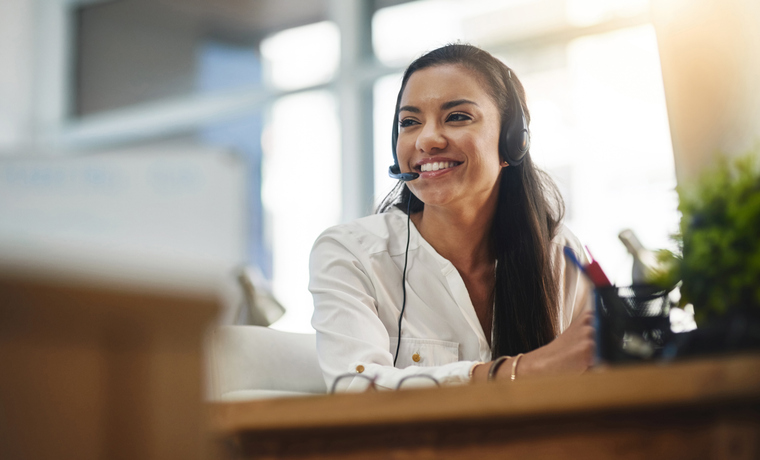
<point x="445" y="106"/>
<point x="456" y="102"/>
<point x="409" y="108"/>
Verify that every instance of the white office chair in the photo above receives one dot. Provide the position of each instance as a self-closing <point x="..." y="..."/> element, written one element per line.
<point x="254" y="362"/>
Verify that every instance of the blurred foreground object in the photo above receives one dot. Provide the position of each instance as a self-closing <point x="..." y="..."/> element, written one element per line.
<point x="101" y="365"/>
<point x="177" y="207"/>
<point x="710" y="57"/>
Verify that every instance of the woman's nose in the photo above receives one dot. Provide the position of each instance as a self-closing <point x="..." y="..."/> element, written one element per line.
<point x="430" y="138"/>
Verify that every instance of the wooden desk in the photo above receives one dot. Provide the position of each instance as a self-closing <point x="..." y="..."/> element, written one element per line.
<point x="94" y="370"/>
<point x="698" y="409"/>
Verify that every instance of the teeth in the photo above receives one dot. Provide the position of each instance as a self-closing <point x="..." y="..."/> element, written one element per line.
<point x="437" y="166"/>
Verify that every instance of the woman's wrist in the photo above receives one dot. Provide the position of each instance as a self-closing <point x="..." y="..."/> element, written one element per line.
<point x="480" y="372"/>
<point x="526" y="366"/>
<point x="496" y="366"/>
<point x="471" y="373"/>
<point x="505" y="370"/>
<point x="514" y="367"/>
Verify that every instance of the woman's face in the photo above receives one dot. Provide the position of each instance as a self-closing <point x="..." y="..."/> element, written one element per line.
<point x="449" y="134"/>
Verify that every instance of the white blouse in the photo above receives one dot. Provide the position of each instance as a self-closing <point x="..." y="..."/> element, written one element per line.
<point x="355" y="279"/>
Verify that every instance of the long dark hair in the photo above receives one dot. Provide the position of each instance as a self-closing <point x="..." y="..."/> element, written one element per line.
<point x="528" y="215"/>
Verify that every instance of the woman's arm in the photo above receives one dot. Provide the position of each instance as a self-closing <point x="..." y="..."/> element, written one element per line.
<point x="572" y="352"/>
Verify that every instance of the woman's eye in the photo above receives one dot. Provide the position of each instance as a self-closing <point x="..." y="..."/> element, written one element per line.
<point x="406" y="122"/>
<point x="458" y="117"/>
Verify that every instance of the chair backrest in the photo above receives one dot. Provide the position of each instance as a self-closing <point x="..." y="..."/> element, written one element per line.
<point x="253" y="362"/>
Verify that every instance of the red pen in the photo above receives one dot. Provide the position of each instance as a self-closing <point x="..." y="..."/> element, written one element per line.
<point x="595" y="272"/>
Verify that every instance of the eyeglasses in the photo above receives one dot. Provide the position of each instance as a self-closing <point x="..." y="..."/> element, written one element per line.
<point x="372" y="380"/>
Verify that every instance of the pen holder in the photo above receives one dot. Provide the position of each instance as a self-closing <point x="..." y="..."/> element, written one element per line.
<point x="633" y="323"/>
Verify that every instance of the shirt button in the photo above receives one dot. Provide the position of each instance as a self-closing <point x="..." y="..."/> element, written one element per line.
<point x="360" y="368"/>
<point x="416" y="357"/>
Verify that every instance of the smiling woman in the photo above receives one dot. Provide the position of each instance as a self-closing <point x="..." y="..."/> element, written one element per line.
<point x="463" y="264"/>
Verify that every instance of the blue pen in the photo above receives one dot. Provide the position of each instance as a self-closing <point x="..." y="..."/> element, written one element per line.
<point x="570" y="254"/>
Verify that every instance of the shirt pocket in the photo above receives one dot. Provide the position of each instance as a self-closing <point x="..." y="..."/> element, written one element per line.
<point x="424" y="352"/>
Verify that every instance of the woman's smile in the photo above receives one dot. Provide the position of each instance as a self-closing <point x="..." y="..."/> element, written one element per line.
<point x="433" y="167"/>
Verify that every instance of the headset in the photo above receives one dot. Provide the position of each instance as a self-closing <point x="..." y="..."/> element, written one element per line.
<point x="514" y="144"/>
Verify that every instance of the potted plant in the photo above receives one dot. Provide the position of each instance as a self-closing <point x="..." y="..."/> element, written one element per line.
<point x="719" y="260"/>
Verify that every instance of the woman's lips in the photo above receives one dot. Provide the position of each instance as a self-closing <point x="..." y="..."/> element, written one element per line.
<point x="436" y="168"/>
<point x="437" y="165"/>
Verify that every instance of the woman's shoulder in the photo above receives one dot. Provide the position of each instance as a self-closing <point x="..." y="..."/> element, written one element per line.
<point x="565" y="237"/>
<point x="370" y="234"/>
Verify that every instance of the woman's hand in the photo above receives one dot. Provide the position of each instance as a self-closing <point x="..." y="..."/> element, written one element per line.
<point x="572" y="352"/>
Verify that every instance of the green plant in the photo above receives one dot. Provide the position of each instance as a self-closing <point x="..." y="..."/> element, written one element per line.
<point x="719" y="238"/>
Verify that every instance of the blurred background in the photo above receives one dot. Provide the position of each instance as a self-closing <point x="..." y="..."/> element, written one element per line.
<point x="207" y="135"/>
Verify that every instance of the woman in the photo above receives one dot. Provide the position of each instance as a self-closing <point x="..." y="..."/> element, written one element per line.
<point x="460" y="276"/>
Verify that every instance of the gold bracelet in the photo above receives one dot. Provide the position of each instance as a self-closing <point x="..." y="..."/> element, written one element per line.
<point x="514" y="366"/>
<point x="495" y="367"/>
<point x="472" y="369"/>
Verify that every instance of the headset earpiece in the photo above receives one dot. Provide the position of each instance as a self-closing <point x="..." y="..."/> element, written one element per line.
<point x="515" y="137"/>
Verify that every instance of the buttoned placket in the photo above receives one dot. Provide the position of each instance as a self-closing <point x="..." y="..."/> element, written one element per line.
<point x="461" y="295"/>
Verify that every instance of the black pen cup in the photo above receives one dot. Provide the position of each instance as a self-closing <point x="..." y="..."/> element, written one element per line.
<point x="633" y="323"/>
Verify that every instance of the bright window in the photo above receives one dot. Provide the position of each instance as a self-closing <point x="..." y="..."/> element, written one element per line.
<point x="302" y="56"/>
<point x="600" y="127"/>
<point x="301" y="194"/>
